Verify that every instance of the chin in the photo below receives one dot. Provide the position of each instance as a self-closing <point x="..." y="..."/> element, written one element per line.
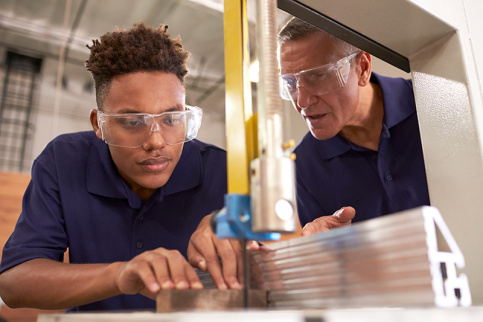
<point x="325" y="132"/>
<point x="155" y="184"/>
<point x="320" y="135"/>
<point x="152" y="182"/>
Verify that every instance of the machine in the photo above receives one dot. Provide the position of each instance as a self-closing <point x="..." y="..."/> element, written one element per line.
<point x="402" y="271"/>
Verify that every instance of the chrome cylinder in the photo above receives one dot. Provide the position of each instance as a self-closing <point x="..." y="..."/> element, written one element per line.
<point x="273" y="173"/>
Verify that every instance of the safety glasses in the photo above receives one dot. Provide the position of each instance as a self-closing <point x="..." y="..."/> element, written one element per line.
<point x="318" y="81"/>
<point x="132" y="130"/>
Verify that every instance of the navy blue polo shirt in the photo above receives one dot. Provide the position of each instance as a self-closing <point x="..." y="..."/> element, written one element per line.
<point x="334" y="173"/>
<point x="76" y="199"/>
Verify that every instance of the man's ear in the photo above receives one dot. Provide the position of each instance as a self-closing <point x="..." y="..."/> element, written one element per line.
<point x="365" y="68"/>
<point x="95" y="125"/>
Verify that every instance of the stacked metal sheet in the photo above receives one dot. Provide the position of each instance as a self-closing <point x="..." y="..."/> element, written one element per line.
<point x="380" y="262"/>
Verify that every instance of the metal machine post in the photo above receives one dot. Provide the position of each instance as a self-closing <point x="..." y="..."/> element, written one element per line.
<point x="273" y="173"/>
<point x="268" y="208"/>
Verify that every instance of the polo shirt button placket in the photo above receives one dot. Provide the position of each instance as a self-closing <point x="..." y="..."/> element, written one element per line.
<point x="388" y="178"/>
<point x="139" y="244"/>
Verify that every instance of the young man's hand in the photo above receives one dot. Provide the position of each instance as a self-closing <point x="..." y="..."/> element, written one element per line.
<point x="221" y="257"/>
<point x="154" y="270"/>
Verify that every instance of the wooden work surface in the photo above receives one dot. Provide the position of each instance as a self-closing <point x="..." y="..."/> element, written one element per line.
<point x="12" y="188"/>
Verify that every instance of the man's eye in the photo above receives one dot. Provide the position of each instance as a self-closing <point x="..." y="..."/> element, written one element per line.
<point x="172" y="120"/>
<point x="317" y="75"/>
<point x="291" y="82"/>
<point x="132" y="122"/>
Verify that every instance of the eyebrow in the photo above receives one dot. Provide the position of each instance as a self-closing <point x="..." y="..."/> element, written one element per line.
<point x="134" y="111"/>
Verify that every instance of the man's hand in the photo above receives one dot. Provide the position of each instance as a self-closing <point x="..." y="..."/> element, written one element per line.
<point x="154" y="270"/>
<point x="340" y="218"/>
<point x="205" y="251"/>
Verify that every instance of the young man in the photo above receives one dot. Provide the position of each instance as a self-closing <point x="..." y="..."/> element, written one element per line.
<point x="125" y="198"/>
<point x="364" y="147"/>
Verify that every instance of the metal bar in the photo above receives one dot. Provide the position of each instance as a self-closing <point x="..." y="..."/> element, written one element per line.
<point x="273" y="173"/>
<point x="391" y="260"/>
<point x="239" y="135"/>
<point x="204" y="300"/>
<point x="345" y="33"/>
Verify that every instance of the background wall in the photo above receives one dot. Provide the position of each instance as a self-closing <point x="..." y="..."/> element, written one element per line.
<point x="38" y="30"/>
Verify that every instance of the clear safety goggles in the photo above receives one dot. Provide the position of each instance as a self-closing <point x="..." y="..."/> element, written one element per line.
<point x="317" y="81"/>
<point x="132" y="130"/>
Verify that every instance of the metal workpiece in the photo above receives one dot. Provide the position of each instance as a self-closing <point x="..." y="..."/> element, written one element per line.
<point x="208" y="300"/>
<point x="387" y="261"/>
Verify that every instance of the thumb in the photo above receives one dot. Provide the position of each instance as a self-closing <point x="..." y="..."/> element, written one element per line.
<point x="253" y="245"/>
<point x="196" y="259"/>
<point x="344" y="215"/>
<point x="340" y="218"/>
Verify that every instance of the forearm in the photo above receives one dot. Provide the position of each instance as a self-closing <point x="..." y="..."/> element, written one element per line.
<point x="46" y="284"/>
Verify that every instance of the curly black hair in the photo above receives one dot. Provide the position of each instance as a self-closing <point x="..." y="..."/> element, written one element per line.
<point x="141" y="48"/>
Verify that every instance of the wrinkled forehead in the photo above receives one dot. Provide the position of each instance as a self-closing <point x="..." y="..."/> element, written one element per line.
<point x="316" y="49"/>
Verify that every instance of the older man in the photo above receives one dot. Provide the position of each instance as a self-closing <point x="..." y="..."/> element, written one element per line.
<point x="364" y="148"/>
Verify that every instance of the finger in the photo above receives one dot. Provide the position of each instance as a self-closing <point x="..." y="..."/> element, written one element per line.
<point x="160" y="267"/>
<point x="237" y="281"/>
<point x="253" y="246"/>
<point x="308" y="229"/>
<point x="200" y="239"/>
<point x="230" y="253"/>
<point x="192" y="277"/>
<point x="196" y="259"/>
<point x="213" y="266"/>
<point x="340" y="218"/>
<point x="319" y="225"/>
<point x="145" y="272"/>
<point x="203" y="254"/>
<point x="175" y="271"/>
<point x="345" y="215"/>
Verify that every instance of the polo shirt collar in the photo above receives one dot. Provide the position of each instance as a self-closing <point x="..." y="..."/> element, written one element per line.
<point x="103" y="178"/>
<point x="398" y="105"/>
<point x="398" y="98"/>
<point x="188" y="172"/>
<point x="332" y="147"/>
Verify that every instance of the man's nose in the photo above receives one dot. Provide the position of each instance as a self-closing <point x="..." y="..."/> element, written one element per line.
<point x="155" y="128"/>
<point x="155" y="138"/>
<point x="303" y="96"/>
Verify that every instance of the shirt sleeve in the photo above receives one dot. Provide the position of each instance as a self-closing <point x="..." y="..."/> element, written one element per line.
<point x="39" y="232"/>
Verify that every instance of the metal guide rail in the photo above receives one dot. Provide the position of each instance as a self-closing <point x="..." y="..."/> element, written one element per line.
<point x="388" y="261"/>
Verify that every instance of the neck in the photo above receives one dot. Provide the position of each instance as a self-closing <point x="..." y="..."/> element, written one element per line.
<point x="365" y="129"/>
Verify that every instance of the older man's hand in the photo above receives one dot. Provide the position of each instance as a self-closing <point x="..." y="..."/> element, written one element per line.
<point x="342" y="217"/>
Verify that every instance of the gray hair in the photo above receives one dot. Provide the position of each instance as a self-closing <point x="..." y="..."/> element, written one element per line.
<point x="296" y="29"/>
